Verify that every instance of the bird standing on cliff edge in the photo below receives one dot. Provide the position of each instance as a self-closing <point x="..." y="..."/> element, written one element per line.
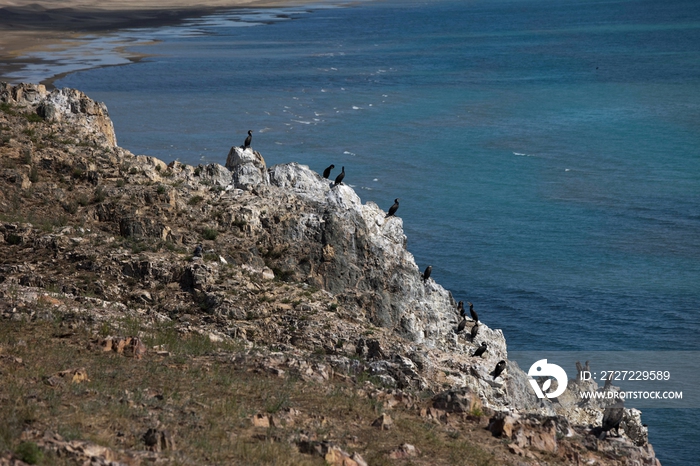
<point x="246" y="144"/>
<point x="327" y="171"/>
<point x="475" y="330"/>
<point x="426" y="274"/>
<point x="473" y="313"/>
<point x="460" y="309"/>
<point x="393" y="208"/>
<point x="480" y="350"/>
<point x="461" y="326"/>
<point x="339" y="178"/>
<point x="612" y="417"/>
<point x="500" y="367"/>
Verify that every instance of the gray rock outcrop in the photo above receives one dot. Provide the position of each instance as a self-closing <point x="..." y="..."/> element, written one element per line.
<point x="89" y="118"/>
<point x="247" y="166"/>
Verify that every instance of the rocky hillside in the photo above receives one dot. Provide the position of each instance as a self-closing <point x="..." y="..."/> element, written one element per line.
<point x="287" y="273"/>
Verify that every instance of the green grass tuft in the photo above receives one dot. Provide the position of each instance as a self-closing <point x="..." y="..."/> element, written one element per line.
<point x="29" y="452"/>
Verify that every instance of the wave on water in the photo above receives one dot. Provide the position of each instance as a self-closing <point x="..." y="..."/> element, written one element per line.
<point x="347" y="152"/>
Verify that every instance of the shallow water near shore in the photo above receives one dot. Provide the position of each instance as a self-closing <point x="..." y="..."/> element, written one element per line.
<point x="545" y="154"/>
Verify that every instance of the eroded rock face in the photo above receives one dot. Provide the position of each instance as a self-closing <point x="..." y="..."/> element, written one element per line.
<point x="286" y="227"/>
<point x="90" y="118"/>
<point x="357" y="252"/>
<point x="329" y="238"/>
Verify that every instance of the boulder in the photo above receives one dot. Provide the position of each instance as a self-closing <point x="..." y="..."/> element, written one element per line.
<point x="461" y="400"/>
<point x="247" y="167"/>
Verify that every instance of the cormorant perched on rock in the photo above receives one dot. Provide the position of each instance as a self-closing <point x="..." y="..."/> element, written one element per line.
<point x="612" y="416"/>
<point x="461" y="326"/>
<point x="198" y="251"/>
<point x="426" y="274"/>
<point x="475" y="330"/>
<point x="499" y="368"/>
<point x="480" y="350"/>
<point x="246" y="144"/>
<point x="327" y="171"/>
<point x="339" y="178"/>
<point x="393" y="208"/>
<point x="460" y="308"/>
<point x="473" y="313"/>
<point x="579" y="370"/>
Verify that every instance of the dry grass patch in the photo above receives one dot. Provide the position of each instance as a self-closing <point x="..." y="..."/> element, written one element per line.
<point x="202" y="398"/>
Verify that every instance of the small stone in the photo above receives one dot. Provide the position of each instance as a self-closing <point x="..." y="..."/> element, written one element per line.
<point x="54" y="381"/>
<point x="268" y="274"/>
<point x="135" y="348"/>
<point x="261" y="420"/>
<point x="157" y="440"/>
<point x="501" y="425"/>
<point x="337" y="457"/>
<point x="384" y="422"/>
<point x="79" y="375"/>
<point x="405" y="450"/>
<point x="357" y="458"/>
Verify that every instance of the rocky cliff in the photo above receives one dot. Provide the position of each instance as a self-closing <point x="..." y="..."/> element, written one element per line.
<point x="289" y="262"/>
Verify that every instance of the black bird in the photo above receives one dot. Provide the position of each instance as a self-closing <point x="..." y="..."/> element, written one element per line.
<point x="579" y="370"/>
<point x="426" y="274"/>
<point x="473" y="313"/>
<point x="246" y="144"/>
<point x="394" y="208"/>
<point x="480" y="350"/>
<point x="198" y="251"/>
<point x="461" y="326"/>
<point x="339" y="178"/>
<point x="460" y="309"/>
<point x="475" y="330"/>
<point x="327" y="171"/>
<point x="499" y="368"/>
<point x="612" y="416"/>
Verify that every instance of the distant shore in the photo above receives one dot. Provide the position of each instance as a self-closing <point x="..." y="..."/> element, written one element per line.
<point x="29" y="28"/>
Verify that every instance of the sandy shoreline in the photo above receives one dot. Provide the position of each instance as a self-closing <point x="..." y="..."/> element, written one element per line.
<point x="32" y="32"/>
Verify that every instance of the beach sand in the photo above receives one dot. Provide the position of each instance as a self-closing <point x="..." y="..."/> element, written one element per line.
<point x="31" y="26"/>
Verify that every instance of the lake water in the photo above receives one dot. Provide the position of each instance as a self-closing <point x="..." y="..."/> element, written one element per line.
<point x="545" y="152"/>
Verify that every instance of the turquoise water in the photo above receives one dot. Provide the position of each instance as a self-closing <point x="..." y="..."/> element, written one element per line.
<point x="545" y="152"/>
